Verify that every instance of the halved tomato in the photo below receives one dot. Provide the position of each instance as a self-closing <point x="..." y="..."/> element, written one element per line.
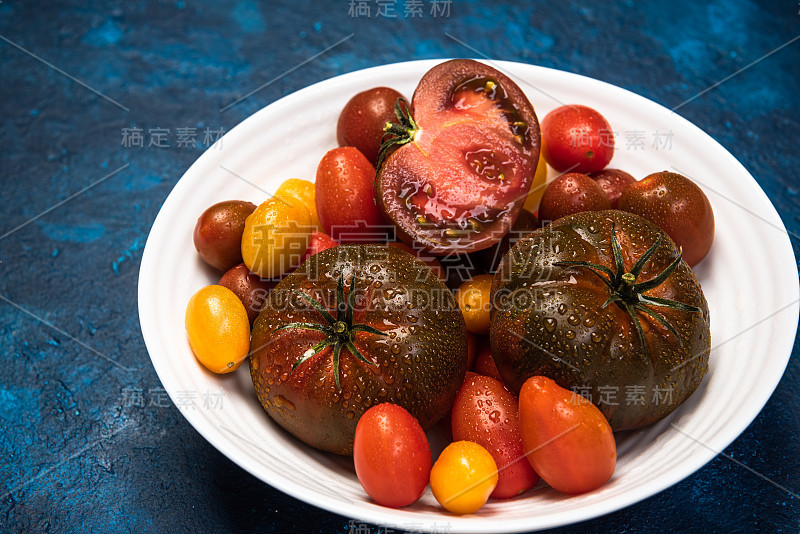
<point x="467" y="155"/>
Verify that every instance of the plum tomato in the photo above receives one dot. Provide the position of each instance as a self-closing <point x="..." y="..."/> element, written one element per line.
<point x="463" y="477"/>
<point x="473" y="298"/>
<point x="484" y="361"/>
<point x="348" y="214"/>
<point x="613" y="182"/>
<point x="217" y="328"/>
<point x="392" y="455"/>
<point x="567" y="440"/>
<point x="678" y="206"/>
<point x="218" y="233"/>
<point x="577" y="138"/>
<point x="362" y="120"/>
<point x="251" y="289"/>
<point x="353" y="326"/>
<point x="460" y="164"/>
<point x="276" y="236"/>
<point x="486" y="413"/>
<point x="602" y="303"/>
<point x="304" y="191"/>
<point x="571" y="193"/>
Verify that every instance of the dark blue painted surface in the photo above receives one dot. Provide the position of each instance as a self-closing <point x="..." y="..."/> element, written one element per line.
<point x="81" y="451"/>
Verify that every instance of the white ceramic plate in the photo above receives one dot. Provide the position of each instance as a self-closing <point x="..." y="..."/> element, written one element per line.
<point x="749" y="278"/>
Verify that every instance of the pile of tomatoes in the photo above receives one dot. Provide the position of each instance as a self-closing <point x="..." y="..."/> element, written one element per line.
<point x="502" y="442"/>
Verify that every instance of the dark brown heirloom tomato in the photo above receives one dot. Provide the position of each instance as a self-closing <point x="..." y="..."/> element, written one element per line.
<point x="353" y="326"/>
<point x="463" y="159"/>
<point x="602" y="303"/>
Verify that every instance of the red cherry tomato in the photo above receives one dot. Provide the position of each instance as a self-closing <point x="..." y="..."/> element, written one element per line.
<point x="678" y="206"/>
<point x="344" y="197"/>
<point x="577" y="138"/>
<point x="571" y="193"/>
<point x="362" y="120"/>
<point x="568" y="441"/>
<point x="486" y="413"/>
<point x="392" y="456"/>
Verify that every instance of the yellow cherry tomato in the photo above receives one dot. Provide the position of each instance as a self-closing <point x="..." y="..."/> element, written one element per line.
<point x="474" y="299"/>
<point x="463" y="477"/>
<point x="218" y="328"/>
<point x="537" y="187"/>
<point x="304" y="191"/>
<point x="276" y="236"/>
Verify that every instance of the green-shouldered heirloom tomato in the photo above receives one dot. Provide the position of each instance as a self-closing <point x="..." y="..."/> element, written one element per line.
<point x="456" y="170"/>
<point x="354" y="326"/>
<point x="602" y="303"/>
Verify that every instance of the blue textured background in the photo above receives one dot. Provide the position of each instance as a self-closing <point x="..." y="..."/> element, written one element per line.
<point x="80" y="451"/>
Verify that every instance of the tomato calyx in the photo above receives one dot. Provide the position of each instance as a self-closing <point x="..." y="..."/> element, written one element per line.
<point x="339" y="330"/>
<point x="627" y="293"/>
<point x="397" y="134"/>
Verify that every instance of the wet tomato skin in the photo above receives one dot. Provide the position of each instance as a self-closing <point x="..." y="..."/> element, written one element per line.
<point x="418" y="362"/>
<point x="570" y="443"/>
<point x="571" y="193"/>
<point x="486" y="413"/>
<point x="218" y="233"/>
<point x="678" y="206"/>
<point x="392" y="456"/>
<point x="577" y="138"/>
<point x="343" y="194"/>
<point x="613" y="182"/>
<point x="362" y="120"/>
<point x="542" y="309"/>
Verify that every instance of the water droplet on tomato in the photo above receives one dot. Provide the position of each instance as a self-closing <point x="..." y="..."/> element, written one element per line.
<point x="281" y="402"/>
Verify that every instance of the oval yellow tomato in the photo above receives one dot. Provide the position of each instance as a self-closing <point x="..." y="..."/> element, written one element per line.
<point x="218" y="328"/>
<point x="463" y="477"/>
<point x="474" y="299"/>
<point x="276" y="236"/>
<point x="304" y="191"/>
